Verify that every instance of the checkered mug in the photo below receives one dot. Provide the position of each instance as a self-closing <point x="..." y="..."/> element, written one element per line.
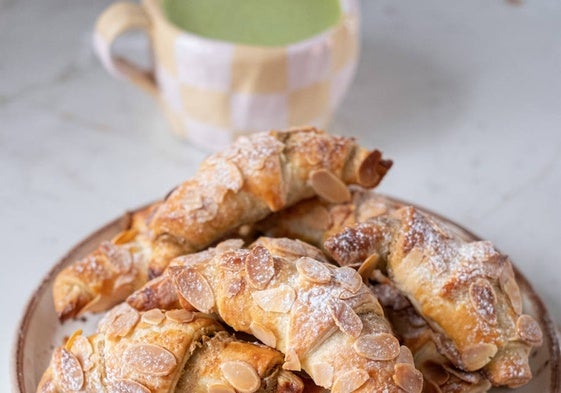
<point x="213" y="91"/>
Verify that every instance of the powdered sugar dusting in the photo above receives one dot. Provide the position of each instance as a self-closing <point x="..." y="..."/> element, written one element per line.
<point x="484" y="300"/>
<point x="278" y="299"/>
<point x="194" y="288"/>
<point x="68" y="370"/>
<point x="150" y="359"/>
<point x="260" y="267"/>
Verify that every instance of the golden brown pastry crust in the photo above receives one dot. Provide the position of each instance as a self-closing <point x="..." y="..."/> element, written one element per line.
<point x="440" y="375"/>
<point x="254" y="177"/>
<point x="157" y="351"/>
<point x="466" y="291"/>
<point x="324" y="319"/>
<point x="109" y="274"/>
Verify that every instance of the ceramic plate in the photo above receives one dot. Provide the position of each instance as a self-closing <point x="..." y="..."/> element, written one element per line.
<point x="39" y="331"/>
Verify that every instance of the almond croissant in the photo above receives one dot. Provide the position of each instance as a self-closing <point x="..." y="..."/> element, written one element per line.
<point x="466" y="291"/>
<point x="257" y="175"/>
<point x="323" y="318"/>
<point x="176" y="352"/>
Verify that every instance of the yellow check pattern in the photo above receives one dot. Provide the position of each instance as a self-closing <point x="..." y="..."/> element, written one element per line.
<point x="214" y="92"/>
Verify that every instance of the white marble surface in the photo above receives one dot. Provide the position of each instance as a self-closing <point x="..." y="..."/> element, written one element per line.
<point x="465" y="96"/>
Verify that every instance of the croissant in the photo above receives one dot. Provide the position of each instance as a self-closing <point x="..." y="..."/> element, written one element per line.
<point x="155" y="352"/>
<point x="254" y="177"/>
<point x="440" y="375"/>
<point x="466" y="291"/>
<point x="106" y="276"/>
<point x="323" y="318"/>
<point x="257" y="175"/>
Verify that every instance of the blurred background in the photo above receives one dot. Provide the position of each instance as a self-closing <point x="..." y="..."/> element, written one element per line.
<point x="464" y="96"/>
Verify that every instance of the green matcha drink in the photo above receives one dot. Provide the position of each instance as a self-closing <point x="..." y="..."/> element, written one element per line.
<point x="254" y="22"/>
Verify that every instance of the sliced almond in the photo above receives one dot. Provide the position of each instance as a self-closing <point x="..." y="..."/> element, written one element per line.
<point x="292" y="248"/>
<point x="127" y="386"/>
<point x="350" y="381"/>
<point x="329" y="187"/>
<point x="195" y="289"/>
<point x="476" y="356"/>
<point x="153" y="317"/>
<point x="150" y="359"/>
<point x="264" y="334"/>
<point x="220" y="388"/>
<point x="279" y="299"/>
<point x="348" y="278"/>
<point x="260" y="267"/>
<point x="83" y="350"/>
<point x="364" y="297"/>
<point x="345" y="317"/>
<point x="322" y="374"/>
<point x="292" y="361"/>
<point x="119" y="321"/>
<point x="368" y="266"/>
<point x="68" y="370"/>
<point x="314" y="271"/>
<point x="483" y="300"/>
<point x="241" y="375"/>
<point x="510" y="287"/>
<point x="529" y="330"/>
<point x="381" y="346"/>
<point x="180" y="316"/>
<point x="408" y="378"/>
<point x="228" y="175"/>
<point x="73" y="336"/>
<point x="405" y="356"/>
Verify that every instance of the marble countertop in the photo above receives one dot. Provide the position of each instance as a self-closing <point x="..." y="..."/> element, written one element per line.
<point x="466" y="99"/>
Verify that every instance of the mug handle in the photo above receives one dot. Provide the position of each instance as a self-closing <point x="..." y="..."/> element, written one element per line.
<point x="116" y="20"/>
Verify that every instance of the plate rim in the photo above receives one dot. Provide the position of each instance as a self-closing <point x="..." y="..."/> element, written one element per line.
<point x="16" y="353"/>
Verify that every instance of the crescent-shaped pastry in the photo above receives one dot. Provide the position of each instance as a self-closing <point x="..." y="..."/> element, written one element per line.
<point x="466" y="291"/>
<point x="176" y="351"/>
<point x="258" y="175"/>
<point x="323" y="318"/>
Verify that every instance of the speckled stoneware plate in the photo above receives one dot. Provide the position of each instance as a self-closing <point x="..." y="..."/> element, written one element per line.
<point x="39" y="331"/>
